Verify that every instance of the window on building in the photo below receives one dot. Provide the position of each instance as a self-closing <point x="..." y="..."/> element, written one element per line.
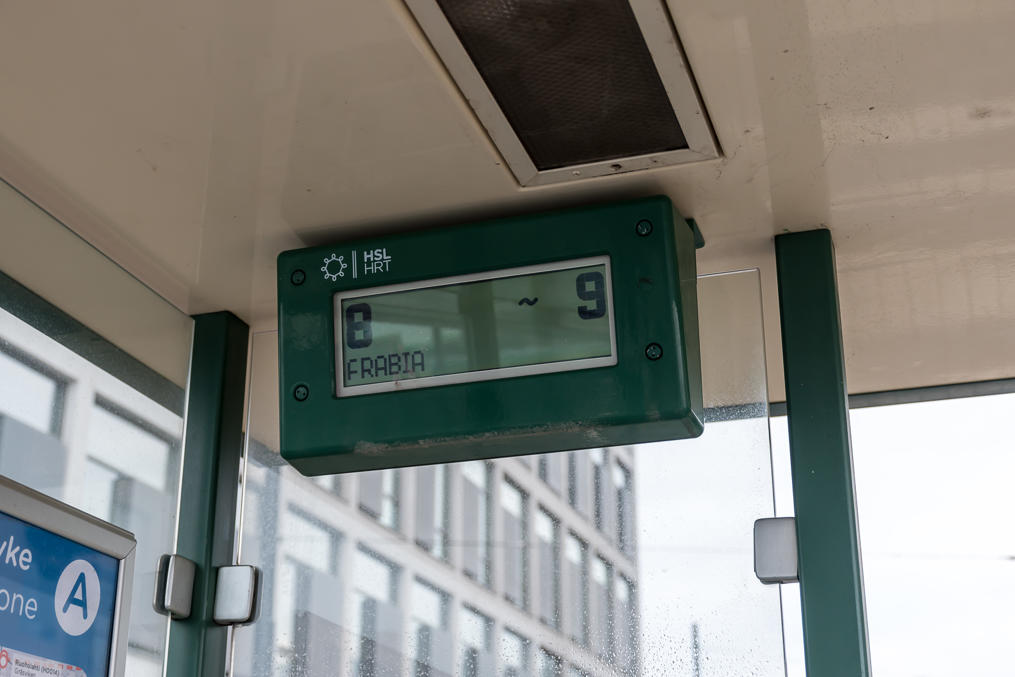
<point x="516" y="552"/>
<point x="128" y="445"/>
<point x="129" y="468"/>
<point x="308" y="541"/>
<point x="379" y="496"/>
<point x="579" y="489"/>
<point x="432" y="509"/>
<point x="29" y="394"/>
<point x="625" y="508"/>
<point x="103" y="480"/>
<point x="31" y="417"/>
<point x="376" y="618"/>
<point x="476" y="640"/>
<point x="550" y="471"/>
<point x="514" y="655"/>
<point x="477" y="519"/>
<point x="603" y="503"/>
<point x="331" y="483"/>
<point x="550" y="665"/>
<point x="547" y="531"/>
<point x="308" y="567"/>
<point x="576" y="576"/>
<point x="429" y="642"/>
<point x="601" y="612"/>
<point x="625" y="621"/>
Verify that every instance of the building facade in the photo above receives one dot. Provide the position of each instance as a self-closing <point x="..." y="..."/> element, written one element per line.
<point x="518" y="566"/>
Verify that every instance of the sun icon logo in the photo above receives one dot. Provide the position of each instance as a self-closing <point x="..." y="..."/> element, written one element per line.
<point x="327" y="267"/>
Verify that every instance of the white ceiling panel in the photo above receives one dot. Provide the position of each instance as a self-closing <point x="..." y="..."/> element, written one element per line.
<point x="193" y="141"/>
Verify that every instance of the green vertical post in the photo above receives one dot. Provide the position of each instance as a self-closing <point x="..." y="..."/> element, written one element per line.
<point x="213" y="446"/>
<point x="831" y="582"/>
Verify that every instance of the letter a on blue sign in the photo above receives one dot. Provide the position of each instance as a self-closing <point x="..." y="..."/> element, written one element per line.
<point x="78" y="596"/>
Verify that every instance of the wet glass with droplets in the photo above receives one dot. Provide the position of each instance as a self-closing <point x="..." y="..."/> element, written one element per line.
<point x="619" y="561"/>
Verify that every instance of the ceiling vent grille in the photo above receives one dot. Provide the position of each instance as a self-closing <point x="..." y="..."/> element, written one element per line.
<point x="569" y="89"/>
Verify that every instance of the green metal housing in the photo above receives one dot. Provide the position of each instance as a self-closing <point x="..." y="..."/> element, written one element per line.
<point x="637" y="400"/>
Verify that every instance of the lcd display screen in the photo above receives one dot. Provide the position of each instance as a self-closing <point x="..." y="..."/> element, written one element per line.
<point x="499" y="324"/>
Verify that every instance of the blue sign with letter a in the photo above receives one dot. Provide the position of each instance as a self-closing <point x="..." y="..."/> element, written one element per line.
<point x="57" y="603"/>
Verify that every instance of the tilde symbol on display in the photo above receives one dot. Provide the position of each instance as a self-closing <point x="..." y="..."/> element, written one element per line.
<point x="327" y="268"/>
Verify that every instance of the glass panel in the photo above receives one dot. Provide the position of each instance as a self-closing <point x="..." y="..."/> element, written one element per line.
<point x="698" y="606"/>
<point x="80" y="420"/>
<point x="641" y="559"/>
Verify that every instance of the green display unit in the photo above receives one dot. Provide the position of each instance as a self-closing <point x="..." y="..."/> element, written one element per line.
<point x="550" y="332"/>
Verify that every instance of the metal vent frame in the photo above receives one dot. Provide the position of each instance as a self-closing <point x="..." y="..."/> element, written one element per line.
<point x="656" y="27"/>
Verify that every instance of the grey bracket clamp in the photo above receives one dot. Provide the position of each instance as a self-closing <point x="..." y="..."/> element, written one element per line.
<point x="237" y="595"/>
<point x="174" y="586"/>
<point x="775" y="550"/>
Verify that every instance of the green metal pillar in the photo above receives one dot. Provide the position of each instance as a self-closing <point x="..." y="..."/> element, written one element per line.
<point x="831" y="581"/>
<point x="213" y="446"/>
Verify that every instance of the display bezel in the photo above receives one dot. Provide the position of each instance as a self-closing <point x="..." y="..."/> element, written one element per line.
<point x="48" y="514"/>
<point x="342" y="390"/>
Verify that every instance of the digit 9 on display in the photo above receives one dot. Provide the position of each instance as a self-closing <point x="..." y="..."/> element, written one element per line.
<point x="542" y="333"/>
